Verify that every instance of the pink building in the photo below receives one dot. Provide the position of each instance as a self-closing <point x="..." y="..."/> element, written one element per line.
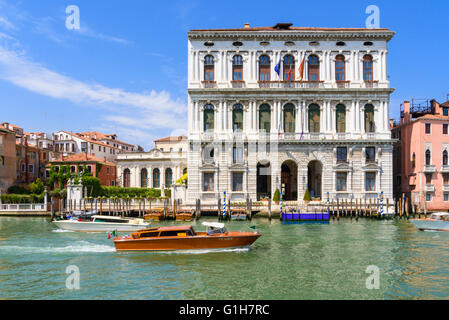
<point x="421" y="162"/>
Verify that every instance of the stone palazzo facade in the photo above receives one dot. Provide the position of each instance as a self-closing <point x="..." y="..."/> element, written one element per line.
<point x="288" y="108"/>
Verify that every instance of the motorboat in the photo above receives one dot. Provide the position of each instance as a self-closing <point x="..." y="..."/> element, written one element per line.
<point x="438" y="221"/>
<point x="98" y="223"/>
<point x="185" y="237"/>
<point x="155" y="214"/>
<point x="185" y="215"/>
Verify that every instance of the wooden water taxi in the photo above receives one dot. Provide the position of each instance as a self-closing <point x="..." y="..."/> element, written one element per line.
<point x="438" y="221"/>
<point x="185" y="238"/>
<point x="155" y="214"/>
<point x="185" y="215"/>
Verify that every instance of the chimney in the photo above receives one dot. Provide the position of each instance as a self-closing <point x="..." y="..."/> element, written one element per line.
<point x="246" y="25"/>
<point x="407" y="116"/>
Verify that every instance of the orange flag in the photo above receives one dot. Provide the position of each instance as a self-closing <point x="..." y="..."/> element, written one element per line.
<point x="301" y="70"/>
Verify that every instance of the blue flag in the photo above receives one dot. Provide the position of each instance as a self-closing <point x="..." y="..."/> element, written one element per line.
<point x="277" y="68"/>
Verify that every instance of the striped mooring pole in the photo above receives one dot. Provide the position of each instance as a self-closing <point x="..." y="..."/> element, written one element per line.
<point x="224" y="204"/>
<point x="381" y="203"/>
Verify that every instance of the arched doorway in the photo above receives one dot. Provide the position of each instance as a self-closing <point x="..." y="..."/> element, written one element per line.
<point x="263" y="180"/>
<point x="289" y="180"/>
<point x="314" y="174"/>
<point x="126" y="178"/>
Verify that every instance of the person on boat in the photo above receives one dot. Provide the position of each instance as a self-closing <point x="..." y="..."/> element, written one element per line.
<point x="211" y="230"/>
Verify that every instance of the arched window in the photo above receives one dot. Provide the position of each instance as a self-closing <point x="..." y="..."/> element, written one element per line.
<point x="209" y="117"/>
<point x="265" y="118"/>
<point x="126" y="178"/>
<point x="428" y="157"/>
<point x="369" y="118"/>
<point x="445" y="158"/>
<point x="168" y="177"/>
<point x="314" y="118"/>
<point x="413" y="160"/>
<point x="314" y="68"/>
<point x="289" y="118"/>
<point x="156" y="178"/>
<point x="209" y="68"/>
<point x="264" y="68"/>
<point x="237" y="118"/>
<point x="289" y="68"/>
<point x="340" y="118"/>
<point x="367" y="67"/>
<point x="143" y="178"/>
<point x="237" y="68"/>
<point x="340" y="68"/>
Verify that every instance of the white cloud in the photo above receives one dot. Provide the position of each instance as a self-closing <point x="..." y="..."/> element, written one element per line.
<point x="142" y="112"/>
<point x="86" y="31"/>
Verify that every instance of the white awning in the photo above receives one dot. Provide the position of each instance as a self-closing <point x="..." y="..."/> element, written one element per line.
<point x="213" y="224"/>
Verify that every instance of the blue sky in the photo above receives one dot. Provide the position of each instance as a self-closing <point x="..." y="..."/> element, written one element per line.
<point x="125" y="70"/>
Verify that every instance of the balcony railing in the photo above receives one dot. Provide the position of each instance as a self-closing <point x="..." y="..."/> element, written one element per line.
<point x="370" y="84"/>
<point x="209" y="84"/>
<point x="445" y="168"/>
<point x="238" y="84"/>
<point x="430" y="168"/>
<point x="343" y="84"/>
<point x="446" y="187"/>
<point x="430" y="188"/>
<point x="291" y="84"/>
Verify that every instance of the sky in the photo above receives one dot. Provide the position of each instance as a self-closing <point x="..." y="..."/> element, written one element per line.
<point x="124" y="70"/>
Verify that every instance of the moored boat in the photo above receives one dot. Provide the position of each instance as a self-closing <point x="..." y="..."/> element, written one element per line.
<point x="185" y="238"/>
<point x="155" y="214"/>
<point x="98" y="223"/>
<point x="438" y="221"/>
<point x="185" y="215"/>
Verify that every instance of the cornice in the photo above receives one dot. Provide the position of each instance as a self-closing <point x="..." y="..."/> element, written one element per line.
<point x="291" y="35"/>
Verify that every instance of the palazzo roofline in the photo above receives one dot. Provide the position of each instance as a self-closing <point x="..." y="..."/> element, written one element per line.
<point x="293" y="34"/>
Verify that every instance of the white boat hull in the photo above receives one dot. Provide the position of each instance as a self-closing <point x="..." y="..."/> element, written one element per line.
<point x="87" y="226"/>
<point x="430" y="224"/>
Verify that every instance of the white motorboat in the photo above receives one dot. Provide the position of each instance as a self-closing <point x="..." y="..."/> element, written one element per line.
<point x="438" y="221"/>
<point x="102" y="224"/>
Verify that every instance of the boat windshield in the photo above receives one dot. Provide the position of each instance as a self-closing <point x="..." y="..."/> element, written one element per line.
<point x="212" y="230"/>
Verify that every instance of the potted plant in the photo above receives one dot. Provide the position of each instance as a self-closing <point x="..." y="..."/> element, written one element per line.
<point x="307" y="197"/>
<point x="277" y="196"/>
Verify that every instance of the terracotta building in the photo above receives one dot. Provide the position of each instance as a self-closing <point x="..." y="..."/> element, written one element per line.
<point x="8" y="164"/>
<point x="422" y="168"/>
<point x="104" y="170"/>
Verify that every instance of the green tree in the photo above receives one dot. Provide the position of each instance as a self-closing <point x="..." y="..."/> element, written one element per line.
<point x="277" y="195"/>
<point x="37" y="187"/>
<point x="307" y="196"/>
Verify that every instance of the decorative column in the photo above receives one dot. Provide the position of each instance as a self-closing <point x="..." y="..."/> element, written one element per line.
<point x="299" y="127"/>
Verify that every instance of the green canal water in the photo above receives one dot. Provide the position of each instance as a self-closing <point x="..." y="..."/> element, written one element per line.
<point x="289" y="261"/>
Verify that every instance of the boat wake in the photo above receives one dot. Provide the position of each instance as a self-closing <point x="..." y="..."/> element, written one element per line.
<point x="61" y="230"/>
<point x="82" y="246"/>
<point x="203" y="251"/>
